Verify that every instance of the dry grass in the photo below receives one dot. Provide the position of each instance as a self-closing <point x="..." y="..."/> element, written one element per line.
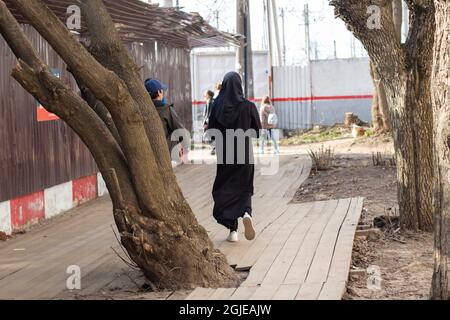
<point x="322" y="158"/>
<point x="383" y="160"/>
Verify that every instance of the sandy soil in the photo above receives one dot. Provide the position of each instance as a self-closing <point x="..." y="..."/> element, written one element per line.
<point x="405" y="260"/>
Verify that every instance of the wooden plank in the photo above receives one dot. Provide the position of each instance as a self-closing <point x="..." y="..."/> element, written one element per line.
<point x="265" y="292"/>
<point x="179" y="295"/>
<point x="309" y="291"/>
<point x="279" y="269"/>
<point x="306" y="171"/>
<point x="243" y="293"/>
<point x="201" y="294"/>
<point x="279" y="186"/>
<point x="222" y="294"/>
<point x="286" y="292"/>
<point x="267" y="258"/>
<point x="301" y="264"/>
<point x="247" y="257"/>
<point x="48" y="276"/>
<point x="340" y="264"/>
<point x="333" y="290"/>
<point x="318" y="272"/>
<point x="262" y="218"/>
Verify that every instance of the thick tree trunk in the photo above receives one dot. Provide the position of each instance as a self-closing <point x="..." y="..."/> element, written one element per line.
<point x="157" y="226"/>
<point x="419" y="54"/>
<point x="405" y="72"/>
<point x="441" y="105"/>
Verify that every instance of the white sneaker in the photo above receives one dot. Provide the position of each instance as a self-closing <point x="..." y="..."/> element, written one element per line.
<point x="250" y="232"/>
<point x="233" y="237"/>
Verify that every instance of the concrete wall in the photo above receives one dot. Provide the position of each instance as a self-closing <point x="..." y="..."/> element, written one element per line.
<point x="25" y="211"/>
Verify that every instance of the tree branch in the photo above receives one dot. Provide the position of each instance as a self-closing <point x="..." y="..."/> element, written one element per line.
<point x="381" y="42"/>
<point x="109" y="89"/>
<point x="107" y="47"/>
<point x="100" y="109"/>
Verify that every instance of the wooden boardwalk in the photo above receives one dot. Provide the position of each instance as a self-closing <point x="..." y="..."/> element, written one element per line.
<point x="302" y="251"/>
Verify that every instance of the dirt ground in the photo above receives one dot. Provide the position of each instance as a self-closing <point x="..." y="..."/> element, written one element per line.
<point x="405" y="260"/>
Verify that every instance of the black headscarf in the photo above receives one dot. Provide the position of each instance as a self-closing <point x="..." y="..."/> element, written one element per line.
<point x="227" y="106"/>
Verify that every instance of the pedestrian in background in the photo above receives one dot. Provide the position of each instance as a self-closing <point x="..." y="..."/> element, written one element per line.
<point x="269" y="121"/>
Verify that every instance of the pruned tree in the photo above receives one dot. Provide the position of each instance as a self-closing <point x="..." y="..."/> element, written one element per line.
<point x="441" y="106"/>
<point x="405" y="72"/>
<point x="125" y="136"/>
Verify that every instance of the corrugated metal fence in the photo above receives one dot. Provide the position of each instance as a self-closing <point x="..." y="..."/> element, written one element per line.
<point x="37" y="155"/>
<point x="322" y="93"/>
<point x="291" y="92"/>
<point x="172" y="67"/>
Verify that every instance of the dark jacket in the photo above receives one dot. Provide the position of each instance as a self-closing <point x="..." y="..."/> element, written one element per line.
<point x="171" y="122"/>
<point x="208" y="110"/>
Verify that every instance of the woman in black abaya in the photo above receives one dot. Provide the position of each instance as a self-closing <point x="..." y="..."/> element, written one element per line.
<point x="238" y="121"/>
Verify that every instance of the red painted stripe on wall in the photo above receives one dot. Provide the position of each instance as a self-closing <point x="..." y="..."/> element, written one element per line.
<point x="300" y="99"/>
<point x="27" y="210"/>
<point x="321" y="98"/>
<point x="84" y="190"/>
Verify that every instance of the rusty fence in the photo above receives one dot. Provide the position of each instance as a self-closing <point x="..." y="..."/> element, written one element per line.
<point x="39" y="154"/>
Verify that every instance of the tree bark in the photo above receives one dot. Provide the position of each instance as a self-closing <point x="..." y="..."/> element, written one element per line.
<point x="441" y="191"/>
<point x="377" y="116"/>
<point x="158" y="229"/>
<point x="405" y="72"/>
<point x="397" y="14"/>
<point x="380" y="107"/>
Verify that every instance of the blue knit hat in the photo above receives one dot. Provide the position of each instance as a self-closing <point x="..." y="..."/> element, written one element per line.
<point x="153" y="86"/>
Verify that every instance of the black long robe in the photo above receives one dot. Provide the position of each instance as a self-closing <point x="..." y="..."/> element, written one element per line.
<point x="233" y="187"/>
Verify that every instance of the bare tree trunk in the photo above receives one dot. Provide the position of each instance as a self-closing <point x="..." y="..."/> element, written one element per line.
<point x="377" y="118"/>
<point x="380" y="109"/>
<point x="157" y="226"/>
<point x="406" y="75"/>
<point x="441" y="105"/>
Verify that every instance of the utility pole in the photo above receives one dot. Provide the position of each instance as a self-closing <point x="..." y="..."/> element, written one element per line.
<point x="269" y="31"/>
<point x="217" y="17"/>
<point x="277" y="31"/>
<point x="307" y="33"/>
<point x="244" y="55"/>
<point x="335" y="49"/>
<point x="308" y="57"/>
<point x="283" y="14"/>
